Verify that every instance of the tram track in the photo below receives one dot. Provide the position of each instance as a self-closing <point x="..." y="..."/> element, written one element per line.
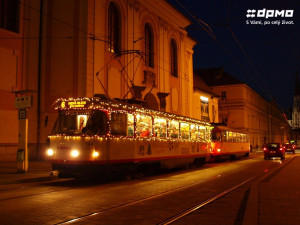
<point x="185" y="212"/>
<point x="266" y="175"/>
<point x="136" y="201"/>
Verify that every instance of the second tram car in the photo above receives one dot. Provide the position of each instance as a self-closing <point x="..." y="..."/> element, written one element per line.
<point x="227" y="143"/>
<point x="93" y="134"/>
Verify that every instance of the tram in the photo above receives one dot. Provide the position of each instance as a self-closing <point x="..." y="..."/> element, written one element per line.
<point x="111" y="135"/>
<point x="228" y="143"/>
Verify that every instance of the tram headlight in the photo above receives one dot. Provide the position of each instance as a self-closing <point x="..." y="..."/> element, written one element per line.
<point x="74" y="153"/>
<point x="50" y="152"/>
<point x="96" y="154"/>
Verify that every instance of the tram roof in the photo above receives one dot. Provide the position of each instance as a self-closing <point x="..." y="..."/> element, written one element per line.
<point x="77" y="104"/>
<point x="225" y="128"/>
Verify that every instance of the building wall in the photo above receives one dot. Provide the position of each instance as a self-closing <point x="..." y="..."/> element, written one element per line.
<point x="117" y="75"/>
<point x="12" y="44"/>
<point x="213" y="114"/>
<point x="246" y="110"/>
<point x="72" y="50"/>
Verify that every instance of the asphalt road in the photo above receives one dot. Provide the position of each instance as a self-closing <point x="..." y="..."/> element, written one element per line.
<point x="215" y="193"/>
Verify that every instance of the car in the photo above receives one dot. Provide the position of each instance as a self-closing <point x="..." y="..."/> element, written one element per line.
<point x="274" y="150"/>
<point x="290" y="147"/>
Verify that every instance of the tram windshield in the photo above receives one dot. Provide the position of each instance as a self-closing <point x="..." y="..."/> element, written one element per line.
<point x="93" y="123"/>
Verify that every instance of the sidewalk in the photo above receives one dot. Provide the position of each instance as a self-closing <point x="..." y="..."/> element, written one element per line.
<point x="37" y="171"/>
<point x="275" y="198"/>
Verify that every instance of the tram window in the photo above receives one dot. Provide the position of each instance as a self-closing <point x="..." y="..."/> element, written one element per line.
<point x="174" y="129"/>
<point x="160" y="127"/>
<point x="118" y="123"/>
<point x="143" y="126"/>
<point x="69" y="124"/>
<point x="185" y="130"/>
<point x="194" y="132"/>
<point x="66" y="124"/>
<point x="96" y="124"/>
<point x="238" y="137"/>
<point x="81" y="121"/>
<point x="202" y="133"/>
<point x="242" y="138"/>
<point x="230" y="138"/>
<point x="224" y="136"/>
<point x="216" y="136"/>
<point x="234" y="137"/>
<point x="130" y="125"/>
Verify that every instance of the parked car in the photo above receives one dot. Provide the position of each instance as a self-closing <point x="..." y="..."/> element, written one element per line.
<point x="274" y="150"/>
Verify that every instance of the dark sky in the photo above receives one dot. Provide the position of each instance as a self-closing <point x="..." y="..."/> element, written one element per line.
<point x="271" y="52"/>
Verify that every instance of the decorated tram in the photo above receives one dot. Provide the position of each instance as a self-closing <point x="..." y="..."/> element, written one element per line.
<point x="228" y="143"/>
<point x="100" y="134"/>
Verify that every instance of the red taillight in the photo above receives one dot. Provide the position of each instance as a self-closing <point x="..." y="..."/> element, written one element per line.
<point x="265" y="149"/>
<point x="281" y="149"/>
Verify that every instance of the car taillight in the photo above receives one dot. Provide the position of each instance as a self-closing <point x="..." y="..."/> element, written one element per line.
<point x="265" y="149"/>
<point x="281" y="149"/>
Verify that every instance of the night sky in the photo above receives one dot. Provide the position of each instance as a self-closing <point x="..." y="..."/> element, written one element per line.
<point x="268" y="56"/>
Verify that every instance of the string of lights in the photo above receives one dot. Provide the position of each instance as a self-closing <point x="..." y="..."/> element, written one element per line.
<point x="84" y="105"/>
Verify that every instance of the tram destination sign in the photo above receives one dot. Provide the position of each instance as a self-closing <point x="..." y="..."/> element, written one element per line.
<point x="73" y="104"/>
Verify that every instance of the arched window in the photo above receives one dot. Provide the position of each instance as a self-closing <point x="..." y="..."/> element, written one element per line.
<point x="149" y="47"/>
<point x="113" y="28"/>
<point x="173" y="58"/>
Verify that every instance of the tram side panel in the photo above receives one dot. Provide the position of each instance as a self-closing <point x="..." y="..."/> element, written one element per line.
<point x="165" y="153"/>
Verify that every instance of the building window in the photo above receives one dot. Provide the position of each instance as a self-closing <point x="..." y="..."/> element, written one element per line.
<point x="149" y="46"/>
<point x="10" y="15"/>
<point x="223" y="95"/>
<point x="173" y="58"/>
<point x="113" y="28"/>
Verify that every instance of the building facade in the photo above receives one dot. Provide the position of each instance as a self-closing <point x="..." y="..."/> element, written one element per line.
<point x="114" y="48"/>
<point x="242" y="108"/>
<point x="295" y="122"/>
<point x="205" y="102"/>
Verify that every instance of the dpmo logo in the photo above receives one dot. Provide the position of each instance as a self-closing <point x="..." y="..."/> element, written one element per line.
<point x="269" y="13"/>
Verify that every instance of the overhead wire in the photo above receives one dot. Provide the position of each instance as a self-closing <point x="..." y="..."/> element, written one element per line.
<point x="206" y="27"/>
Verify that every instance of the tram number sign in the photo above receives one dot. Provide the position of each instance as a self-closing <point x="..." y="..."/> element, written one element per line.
<point x="73" y="104"/>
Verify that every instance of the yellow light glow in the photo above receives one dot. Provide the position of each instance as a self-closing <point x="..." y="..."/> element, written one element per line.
<point x="75" y="153"/>
<point x="50" y="152"/>
<point x="95" y="154"/>
<point x="204" y="99"/>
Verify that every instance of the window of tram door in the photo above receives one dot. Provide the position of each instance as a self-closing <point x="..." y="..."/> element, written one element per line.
<point x="224" y="137"/>
<point x="216" y="136"/>
<point x="203" y="134"/>
<point x="122" y="124"/>
<point x="118" y="123"/>
<point x="143" y="126"/>
<point x="185" y="131"/>
<point x="96" y="124"/>
<point x="194" y="132"/>
<point x="160" y="127"/>
<point x="174" y="129"/>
